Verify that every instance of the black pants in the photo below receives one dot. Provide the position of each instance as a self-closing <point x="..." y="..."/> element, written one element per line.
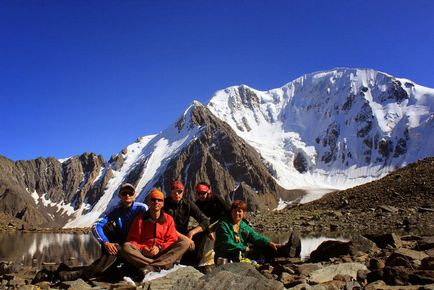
<point x="105" y="262"/>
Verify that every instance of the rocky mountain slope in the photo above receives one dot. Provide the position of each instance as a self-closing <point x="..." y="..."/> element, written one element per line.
<point x="323" y="131"/>
<point x="402" y="201"/>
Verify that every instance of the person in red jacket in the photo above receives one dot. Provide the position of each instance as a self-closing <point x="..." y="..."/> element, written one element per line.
<point x="152" y="243"/>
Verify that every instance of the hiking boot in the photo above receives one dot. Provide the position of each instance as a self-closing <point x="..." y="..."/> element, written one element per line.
<point x="70" y="275"/>
<point x="43" y="275"/>
<point x="292" y="248"/>
<point x="206" y="269"/>
<point x="144" y="271"/>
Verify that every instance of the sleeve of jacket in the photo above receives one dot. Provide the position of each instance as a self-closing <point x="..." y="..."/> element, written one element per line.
<point x="224" y="206"/>
<point x="225" y="238"/>
<point x="135" y="232"/>
<point x="97" y="227"/>
<point x="199" y="216"/>
<point x="255" y="238"/>
<point x="171" y="235"/>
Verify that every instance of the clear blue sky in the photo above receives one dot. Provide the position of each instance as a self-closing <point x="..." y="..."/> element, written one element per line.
<point x="91" y="76"/>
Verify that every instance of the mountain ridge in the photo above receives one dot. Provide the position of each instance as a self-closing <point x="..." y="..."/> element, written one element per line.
<point x="323" y="131"/>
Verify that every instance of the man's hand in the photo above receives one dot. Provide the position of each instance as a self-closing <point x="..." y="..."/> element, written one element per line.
<point x="274" y="246"/>
<point x="190" y="234"/>
<point x="191" y="245"/>
<point x="112" y="248"/>
<point x="153" y="251"/>
<point x="146" y="252"/>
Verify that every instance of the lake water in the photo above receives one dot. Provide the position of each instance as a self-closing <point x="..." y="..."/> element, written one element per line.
<point x="36" y="248"/>
<point x="33" y="249"/>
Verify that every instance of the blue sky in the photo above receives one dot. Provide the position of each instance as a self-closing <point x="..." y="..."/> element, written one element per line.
<point x="92" y="76"/>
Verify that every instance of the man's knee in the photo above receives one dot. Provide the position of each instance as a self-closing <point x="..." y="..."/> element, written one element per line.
<point x="183" y="243"/>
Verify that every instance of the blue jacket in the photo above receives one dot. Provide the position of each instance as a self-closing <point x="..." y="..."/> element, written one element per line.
<point x="122" y="217"/>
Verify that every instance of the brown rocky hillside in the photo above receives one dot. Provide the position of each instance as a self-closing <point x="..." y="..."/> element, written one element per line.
<point x="410" y="186"/>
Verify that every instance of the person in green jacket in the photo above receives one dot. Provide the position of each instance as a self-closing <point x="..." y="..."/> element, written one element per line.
<point x="233" y="235"/>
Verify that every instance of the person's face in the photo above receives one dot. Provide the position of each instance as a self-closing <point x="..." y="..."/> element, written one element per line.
<point x="127" y="197"/>
<point x="202" y="195"/>
<point x="237" y="215"/>
<point x="177" y="194"/>
<point x="155" y="204"/>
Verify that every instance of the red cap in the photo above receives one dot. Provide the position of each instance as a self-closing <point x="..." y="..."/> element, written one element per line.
<point x="202" y="188"/>
<point x="176" y="184"/>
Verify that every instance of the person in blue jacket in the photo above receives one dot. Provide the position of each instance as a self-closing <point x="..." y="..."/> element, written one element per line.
<point x="111" y="232"/>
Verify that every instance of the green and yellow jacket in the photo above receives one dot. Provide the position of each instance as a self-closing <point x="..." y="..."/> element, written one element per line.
<point x="226" y="245"/>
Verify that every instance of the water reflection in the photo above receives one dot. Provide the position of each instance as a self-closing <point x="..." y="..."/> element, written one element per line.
<point x="83" y="249"/>
<point x="36" y="248"/>
<point x="308" y="242"/>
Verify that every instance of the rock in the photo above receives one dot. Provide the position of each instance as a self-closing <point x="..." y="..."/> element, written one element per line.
<point x="16" y="282"/>
<point x="330" y="249"/>
<point x="385" y="240"/>
<point x="376" y="285"/>
<point x="398" y="275"/>
<point x="426" y="243"/>
<point x="329" y="272"/>
<point x="78" y="284"/>
<point x="428" y="263"/>
<point x="362" y="244"/>
<point x="375" y="275"/>
<point x="375" y="264"/>
<point x="388" y="208"/>
<point x="7" y="267"/>
<point x="422" y="277"/>
<point x="406" y="257"/>
<point x="182" y="278"/>
<point x="414" y="255"/>
<point x="307" y="268"/>
<point x="240" y="276"/>
<point x="353" y="285"/>
<point x="398" y="260"/>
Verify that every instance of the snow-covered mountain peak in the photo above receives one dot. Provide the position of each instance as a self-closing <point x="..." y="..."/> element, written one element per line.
<point x="353" y="124"/>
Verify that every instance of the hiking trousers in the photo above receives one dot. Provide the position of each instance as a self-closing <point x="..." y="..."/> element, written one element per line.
<point x="164" y="260"/>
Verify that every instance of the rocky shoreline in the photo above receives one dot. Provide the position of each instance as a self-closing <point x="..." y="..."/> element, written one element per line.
<point x="386" y="261"/>
<point x="401" y="259"/>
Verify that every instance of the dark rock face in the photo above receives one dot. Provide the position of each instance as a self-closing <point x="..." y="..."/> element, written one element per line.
<point x="72" y="182"/>
<point x="330" y="249"/>
<point x="218" y="156"/>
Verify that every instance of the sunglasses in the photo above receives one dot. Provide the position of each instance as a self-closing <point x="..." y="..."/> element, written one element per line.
<point x="178" y="191"/>
<point x="154" y="200"/>
<point x="125" y="193"/>
<point x="201" y="192"/>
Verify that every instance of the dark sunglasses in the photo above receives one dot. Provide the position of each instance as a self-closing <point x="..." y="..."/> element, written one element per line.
<point x="124" y="193"/>
<point x="178" y="191"/>
<point x="201" y="192"/>
<point x="154" y="200"/>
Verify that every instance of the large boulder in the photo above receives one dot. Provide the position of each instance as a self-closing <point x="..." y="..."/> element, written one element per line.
<point x="239" y="276"/>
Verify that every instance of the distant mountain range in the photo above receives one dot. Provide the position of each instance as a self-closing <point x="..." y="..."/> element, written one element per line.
<point x="321" y="132"/>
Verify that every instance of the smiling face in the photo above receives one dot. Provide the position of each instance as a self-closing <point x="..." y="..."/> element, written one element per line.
<point x="202" y="195"/>
<point x="237" y="215"/>
<point x="177" y="195"/>
<point x="155" y="204"/>
<point x="127" y="197"/>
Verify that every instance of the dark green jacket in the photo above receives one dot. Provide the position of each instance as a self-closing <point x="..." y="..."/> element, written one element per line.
<point x="226" y="245"/>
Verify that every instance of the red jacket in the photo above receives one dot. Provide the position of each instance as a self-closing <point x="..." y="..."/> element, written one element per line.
<point x="146" y="232"/>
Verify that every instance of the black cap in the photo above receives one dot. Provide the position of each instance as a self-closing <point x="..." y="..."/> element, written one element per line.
<point x="127" y="187"/>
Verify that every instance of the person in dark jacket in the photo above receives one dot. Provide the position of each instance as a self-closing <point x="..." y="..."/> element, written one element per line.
<point x="181" y="209"/>
<point x="233" y="236"/>
<point x="215" y="208"/>
<point x="211" y="204"/>
<point x="110" y="231"/>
